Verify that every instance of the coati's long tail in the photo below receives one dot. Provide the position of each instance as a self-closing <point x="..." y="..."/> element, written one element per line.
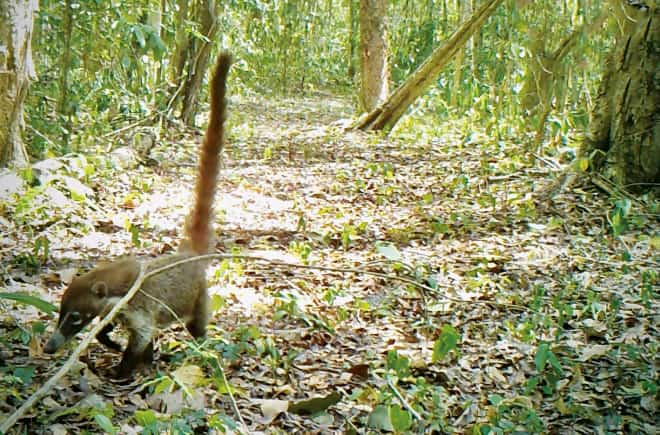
<point x="198" y="226"/>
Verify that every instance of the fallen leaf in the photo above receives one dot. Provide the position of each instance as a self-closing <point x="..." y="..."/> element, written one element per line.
<point x="315" y="405"/>
<point x="360" y="371"/>
<point x="271" y="408"/>
<point x="189" y="375"/>
<point x="594" y="351"/>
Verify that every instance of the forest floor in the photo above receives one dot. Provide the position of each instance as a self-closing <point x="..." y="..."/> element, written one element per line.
<point x="466" y="303"/>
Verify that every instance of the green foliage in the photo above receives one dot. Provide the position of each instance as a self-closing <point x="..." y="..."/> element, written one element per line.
<point x="28" y="299"/>
<point x="446" y="342"/>
<point x="400" y="365"/>
<point x="508" y="415"/>
<point x="618" y="218"/>
<point x="302" y="249"/>
<point x="549" y="369"/>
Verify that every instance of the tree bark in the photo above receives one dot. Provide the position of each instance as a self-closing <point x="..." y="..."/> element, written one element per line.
<point x="351" y="43"/>
<point x="623" y="139"/>
<point x="198" y="58"/>
<point x="385" y="116"/>
<point x="65" y="64"/>
<point x="181" y="42"/>
<point x="374" y="68"/>
<point x="16" y="71"/>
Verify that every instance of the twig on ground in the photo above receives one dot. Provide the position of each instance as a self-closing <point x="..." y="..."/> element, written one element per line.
<point x="403" y="401"/>
<point x="234" y="405"/>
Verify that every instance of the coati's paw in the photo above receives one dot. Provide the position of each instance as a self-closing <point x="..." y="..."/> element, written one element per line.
<point x="123" y="370"/>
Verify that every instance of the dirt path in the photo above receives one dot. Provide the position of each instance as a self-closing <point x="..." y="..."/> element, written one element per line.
<point x="457" y="213"/>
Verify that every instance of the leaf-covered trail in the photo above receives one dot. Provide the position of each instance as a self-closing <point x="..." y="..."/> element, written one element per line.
<point x="456" y="212"/>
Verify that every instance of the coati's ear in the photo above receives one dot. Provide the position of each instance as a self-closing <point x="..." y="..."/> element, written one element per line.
<point x="100" y="289"/>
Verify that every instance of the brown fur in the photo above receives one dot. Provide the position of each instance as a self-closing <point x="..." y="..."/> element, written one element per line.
<point x="179" y="292"/>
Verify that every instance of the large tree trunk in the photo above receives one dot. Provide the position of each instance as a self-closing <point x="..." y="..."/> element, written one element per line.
<point x="623" y="141"/>
<point x="374" y="68"/>
<point x="385" y="116"/>
<point x="16" y="71"/>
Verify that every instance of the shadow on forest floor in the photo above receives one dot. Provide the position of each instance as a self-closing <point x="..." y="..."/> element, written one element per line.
<point x="509" y="273"/>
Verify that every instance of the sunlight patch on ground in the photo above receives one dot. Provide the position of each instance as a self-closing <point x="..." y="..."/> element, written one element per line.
<point x="248" y="301"/>
<point x="251" y="210"/>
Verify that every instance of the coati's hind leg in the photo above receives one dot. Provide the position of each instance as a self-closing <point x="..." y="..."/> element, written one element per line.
<point x="200" y="316"/>
<point x="139" y="351"/>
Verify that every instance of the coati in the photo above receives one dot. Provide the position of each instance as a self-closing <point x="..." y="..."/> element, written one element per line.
<point x="182" y="288"/>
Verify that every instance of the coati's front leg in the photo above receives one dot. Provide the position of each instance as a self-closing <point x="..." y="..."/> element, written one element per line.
<point x="139" y="350"/>
<point x="200" y="316"/>
<point x="103" y="338"/>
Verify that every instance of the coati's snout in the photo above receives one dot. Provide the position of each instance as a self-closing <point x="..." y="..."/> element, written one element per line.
<point x="69" y="324"/>
<point x="81" y="302"/>
<point x="54" y="342"/>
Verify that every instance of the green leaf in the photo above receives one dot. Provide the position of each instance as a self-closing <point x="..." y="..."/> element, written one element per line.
<point x="400" y="418"/>
<point x="155" y="44"/>
<point x="584" y="164"/>
<point x="145" y="418"/>
<point x="445" y="343"/>
<point x="164" y="384"/>
<point x="104" y="423"/>
<point x="25" y="374"/>
<point x="554" y="362"/>
<point x="541" y="358"/>
<point x="495" y="399"/>
<point x="379" y="419"/>
<point x="139" y="36"/>
<point x="400" y="364"/>
<point x="25" y="298"/>
<point x="389" y="251"/>
<point x="439" y="227"/>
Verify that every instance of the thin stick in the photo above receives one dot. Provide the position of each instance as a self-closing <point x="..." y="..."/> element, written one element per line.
<point x="234" y="405"/>
<point x="366" y="272"/>
<point x="402" y="399"/>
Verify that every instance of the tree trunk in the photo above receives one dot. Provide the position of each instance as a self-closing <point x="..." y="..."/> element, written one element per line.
<point x="181" y="43"/>
<point x="65" y="64"/>
<point x="374" y="69"/>
<point x="352" y="27"/>
<point x="16" y="71"/>
<point x="198" y="58"/>
<point x="385" y="116"/>
<point x="623" y="140"/>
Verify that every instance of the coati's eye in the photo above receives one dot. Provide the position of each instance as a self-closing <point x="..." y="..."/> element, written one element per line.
<point x="75" y="318"/>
